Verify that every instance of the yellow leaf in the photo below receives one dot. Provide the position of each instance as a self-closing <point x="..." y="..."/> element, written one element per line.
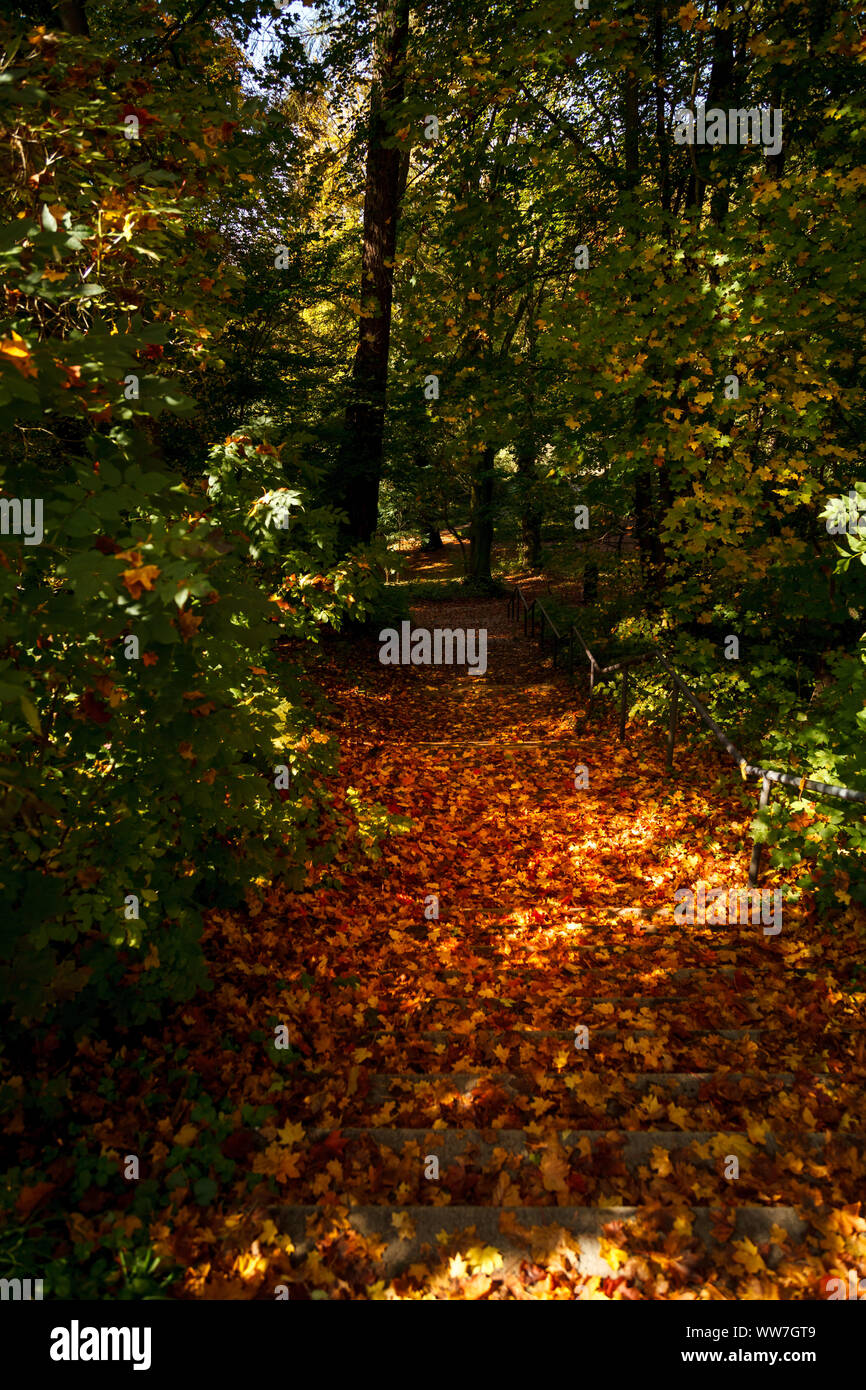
<point x="291" y="1134"/>
<point x="402" y="1223"/>
<point x="746" y="1254"/>
<point x="483" y="1259"/>
<point x="661" y="1162"/>
<point x="18" y="352"/>
<point x="678" y="1116"/>
<point x="185" y="1136"/>
<point x="611" y="1253"/>
<point x="757" y="1131"/>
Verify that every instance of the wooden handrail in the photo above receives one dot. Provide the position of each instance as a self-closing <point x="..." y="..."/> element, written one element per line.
<point x="766" y="776"/>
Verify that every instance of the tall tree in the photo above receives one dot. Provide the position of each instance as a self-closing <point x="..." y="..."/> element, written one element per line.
<point x="361" y="454"/>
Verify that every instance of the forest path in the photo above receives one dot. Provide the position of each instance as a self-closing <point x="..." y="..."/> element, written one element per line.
<point x="569" y="1162"/>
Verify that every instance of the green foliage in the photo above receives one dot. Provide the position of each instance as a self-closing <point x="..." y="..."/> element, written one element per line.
<point x="126" y="1268"/>
<point x="390" y="608"/>
<point x="145" y="701"/>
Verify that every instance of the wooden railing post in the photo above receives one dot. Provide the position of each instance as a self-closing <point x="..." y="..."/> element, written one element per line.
<point x="623" y="704"/>
<point x="672" y="728"/>
<point x="763" y="803"/>
<point x="783" y="778"/>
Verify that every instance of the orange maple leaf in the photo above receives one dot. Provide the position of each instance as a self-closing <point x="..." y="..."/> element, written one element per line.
<point x="140" y="578"/>
<point x="18" y="354"/>
<point x="554" y="1171"/>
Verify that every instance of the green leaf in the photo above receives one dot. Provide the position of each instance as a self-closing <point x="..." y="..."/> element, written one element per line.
<point x="28" y="709"/>
<point x="205" y="1190"/>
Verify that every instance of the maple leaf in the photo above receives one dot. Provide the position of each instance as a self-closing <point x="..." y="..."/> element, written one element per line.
<point x="651" y="1106"/>
<point x="757" y="1130"/>
<point x="611" y="1253"/>
<point x="746" y="1253"/>
<point x="139" y="578"/>
<point x="188" y="623"/>
<point x="483" y="1259"/>
<point x="554" y="1171"/>
<point x="291" y="1133"/>
<point x="661" y="1162"/>
<point x="403" y="1225"/>
<point x="17" y="353"/>
<point x="92" y="708"/>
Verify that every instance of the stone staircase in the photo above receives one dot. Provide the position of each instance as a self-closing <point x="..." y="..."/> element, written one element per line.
<point x="712" y="1051"/>
<point x="585" y="1141"/>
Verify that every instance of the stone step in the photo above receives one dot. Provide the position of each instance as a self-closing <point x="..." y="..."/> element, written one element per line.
<point x="615" y="1034"/>
<point x="635" y="1145"/>
<point x="641" y="957"/>
<point x="710" y="1016"/>
<point x="501" y="1229"/>
<point x="707" y="971"/>
<point x="384" y="1086"/>
<point x="577" y="1095"/>
<point x="601" y="1003"/>
<point x="553" y="1165"/>
<point x="663" y="1048"/>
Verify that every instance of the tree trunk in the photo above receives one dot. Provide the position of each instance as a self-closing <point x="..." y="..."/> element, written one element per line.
<point x="526" y="450"/>
<point x="361" y="454"/>
<point x="73" y="18"/>
<point x="721" y="94"/>
<point x="652" y="558"/>
<point x="530" y="537"/>
<point x="530" y="508"/>
<point x="432" y="537"/>
<point x="481" y="523"/>
<point x="590" y="581"/>
<point x="631" y="122"/>
<point x="661" y="130"/>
